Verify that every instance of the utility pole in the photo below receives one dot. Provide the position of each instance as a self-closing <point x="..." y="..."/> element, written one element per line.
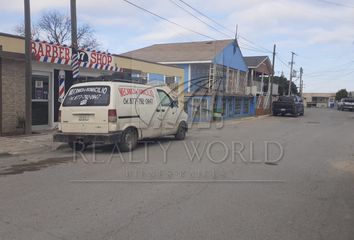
<point x="236" y="33"/>
<point x="291" y="72"/>
<point x="75" y="64"/>
<point x="301" y="81"/>
<point x="28" y="68"/>
<point x="73" y="24"/>
<point x="271" y="81"/>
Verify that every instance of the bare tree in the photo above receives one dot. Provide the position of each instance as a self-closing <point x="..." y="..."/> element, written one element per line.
<point x="86" y="37"/>
<point x="20" y="30"/>
<point x="55" y="27"/>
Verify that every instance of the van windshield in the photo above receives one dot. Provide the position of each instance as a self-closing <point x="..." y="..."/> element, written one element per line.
<point x="88" y="96"/>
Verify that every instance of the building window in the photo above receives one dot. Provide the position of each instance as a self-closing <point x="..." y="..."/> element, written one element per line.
<point x="238" y="102"/>
<point x="199" y="77"/>
<point x="172" y="83"/>
<point x="200" y="110"/>
<point x="246" y="106"/>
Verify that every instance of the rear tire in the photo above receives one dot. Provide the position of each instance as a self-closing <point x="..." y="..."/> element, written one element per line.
<point x="129" y="140"/>
<point x="181" y="131"/>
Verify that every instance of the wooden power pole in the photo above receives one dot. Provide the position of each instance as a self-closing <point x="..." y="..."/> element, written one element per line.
<point x="28" y="68"/>
<point x="270" y="88"/>
<point x="73" y="24"/>
<point x="301" y="82"/>
<point x="291" y="72"/>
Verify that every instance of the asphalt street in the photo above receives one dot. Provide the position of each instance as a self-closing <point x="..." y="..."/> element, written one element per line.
<point x="263" y="178"/>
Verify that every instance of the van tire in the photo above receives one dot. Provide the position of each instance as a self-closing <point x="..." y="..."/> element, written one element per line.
<point x="78" y="146"/>
<point x="181" y="131"/>
<point x="129" y="140"/>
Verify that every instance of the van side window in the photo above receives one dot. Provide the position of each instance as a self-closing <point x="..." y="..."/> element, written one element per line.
<point x="165" y="99"/>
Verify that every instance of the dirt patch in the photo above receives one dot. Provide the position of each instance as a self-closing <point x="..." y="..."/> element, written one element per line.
<point x="33" y="166"/>
<point x="347" y="166"/>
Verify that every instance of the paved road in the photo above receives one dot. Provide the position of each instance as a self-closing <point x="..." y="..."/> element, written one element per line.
<point x="160" y="193"/>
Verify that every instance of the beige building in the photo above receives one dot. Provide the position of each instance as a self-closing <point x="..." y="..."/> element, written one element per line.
<point x="319" y="100"/>
<point x="51" y="72"/>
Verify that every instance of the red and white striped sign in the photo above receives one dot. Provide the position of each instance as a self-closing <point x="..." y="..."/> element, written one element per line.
<point x="61" y="54"/>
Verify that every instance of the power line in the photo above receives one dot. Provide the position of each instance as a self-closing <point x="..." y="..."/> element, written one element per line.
<point x="265" y="49"/>
<point x="336" y="4"/>
<point x="201" y="20"/>
<point x="204" y="15"/>
<point x="167" y="20"/>
<point x="248" y="47"/>
<point x="282" y="61"/>
<point x="222" y="26"/>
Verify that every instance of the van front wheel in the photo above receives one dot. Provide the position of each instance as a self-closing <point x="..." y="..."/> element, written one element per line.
<point x="129" y="140"/>
<point x="181" y="131"/>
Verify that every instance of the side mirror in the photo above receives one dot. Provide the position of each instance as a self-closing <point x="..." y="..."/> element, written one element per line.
<point x="174" y="104"/>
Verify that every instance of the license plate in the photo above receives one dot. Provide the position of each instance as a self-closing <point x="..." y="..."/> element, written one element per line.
<point x="83" y="118"/>
<point x="283" y="109"/>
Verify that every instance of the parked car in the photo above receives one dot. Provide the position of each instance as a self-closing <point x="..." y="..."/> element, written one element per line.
<point x="346" y="104"/>
<point x="288" y="104"/>
<point x="118" y="112"/>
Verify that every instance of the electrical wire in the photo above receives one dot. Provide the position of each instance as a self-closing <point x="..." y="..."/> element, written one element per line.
<point x="167" y="20"/>
<point x="225" y="28"/>
<point x="201" y="20"/>
<point x="181" y="26"/>
<point x="336" y="4"/>
<point x="282" y="61"/>
<point x="204" y="15"/>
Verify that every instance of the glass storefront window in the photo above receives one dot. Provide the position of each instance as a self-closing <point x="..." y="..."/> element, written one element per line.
<point x="238" y="102"/>
<point x="246" y="106"/>
<point x="200" y="110"/>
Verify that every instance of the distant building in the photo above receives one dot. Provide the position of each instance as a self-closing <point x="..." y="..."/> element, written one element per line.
<point x="319" y="100"/>
<point x="215" y="76"/>
<point x="259" y="68"/>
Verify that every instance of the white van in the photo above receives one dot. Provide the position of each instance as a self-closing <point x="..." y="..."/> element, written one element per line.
<point x="118" y="112"/>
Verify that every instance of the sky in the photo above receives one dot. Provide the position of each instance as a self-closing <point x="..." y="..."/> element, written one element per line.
<point x="320" y="32"/>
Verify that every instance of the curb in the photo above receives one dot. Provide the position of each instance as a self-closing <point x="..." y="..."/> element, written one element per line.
<point x="34" y="150"/>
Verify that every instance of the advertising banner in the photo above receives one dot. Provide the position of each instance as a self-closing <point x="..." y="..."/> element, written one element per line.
<point x="61" y="54"/>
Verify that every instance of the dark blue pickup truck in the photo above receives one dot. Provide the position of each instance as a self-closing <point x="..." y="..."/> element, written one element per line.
<point x="288" y="104"/>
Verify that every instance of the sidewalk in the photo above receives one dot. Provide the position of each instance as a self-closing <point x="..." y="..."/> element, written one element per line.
<point x="224" y="122"/>
<point x="43" y="142"/>
<point x="27" y="144"/>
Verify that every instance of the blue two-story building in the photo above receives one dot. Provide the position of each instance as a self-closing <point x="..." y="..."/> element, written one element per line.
<point x="215" y="75"/>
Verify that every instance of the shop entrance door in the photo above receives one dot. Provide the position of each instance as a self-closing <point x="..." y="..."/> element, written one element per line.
<point x="40" y="102"/>
<point x="200" y="110"/>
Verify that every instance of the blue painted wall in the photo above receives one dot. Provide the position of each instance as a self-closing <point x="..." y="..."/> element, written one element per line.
<point x="186" y="75"/>
<point x="231" y="56"/>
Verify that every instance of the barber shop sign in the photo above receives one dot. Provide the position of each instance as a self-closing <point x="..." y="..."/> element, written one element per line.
<point x="61" y="54"/>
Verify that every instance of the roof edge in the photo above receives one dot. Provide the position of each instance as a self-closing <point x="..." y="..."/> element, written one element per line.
<point x="11" y="35"/>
